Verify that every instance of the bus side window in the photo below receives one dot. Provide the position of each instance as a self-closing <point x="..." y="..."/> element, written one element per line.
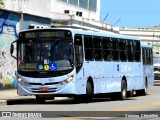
<point x="115" y="46"/>
<point x="123" y="52"/>
<point x="88" y="45"/>
<point x="78" y="52"/>
<point x="144" y="56"/>
<point x="130" y="50"/>
<point x="97" y="48"/>
<point x="137" y="51"/>
<point x="107" y="54"/>
<point x="147" y="57"/>
<point x="151" y="56"/>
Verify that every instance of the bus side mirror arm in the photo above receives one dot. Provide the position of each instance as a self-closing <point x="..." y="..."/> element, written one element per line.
<point x="12" y="49"/>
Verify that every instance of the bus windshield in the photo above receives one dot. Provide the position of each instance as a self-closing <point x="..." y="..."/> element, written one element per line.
<point x="45" y="55"/>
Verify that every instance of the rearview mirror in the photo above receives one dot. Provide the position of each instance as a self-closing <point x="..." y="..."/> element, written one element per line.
<point x="12" y="48"/>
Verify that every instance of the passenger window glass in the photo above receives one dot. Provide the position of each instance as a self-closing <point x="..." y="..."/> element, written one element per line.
<point x="97" y="48"/>
<point x="107" y="54"/>
<point x="130" y="51"/>
<point x="97" y="42"/>
<point x="88" y="45"/>
<point x="106" y="43"/>
<point x="123" y="51"/>
<point x="137" y="51"/>
<point x="115" y="46"/>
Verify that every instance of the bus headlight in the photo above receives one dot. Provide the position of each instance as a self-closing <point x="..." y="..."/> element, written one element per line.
<point x="20" y="80"/>
<point x="68" y="80"/>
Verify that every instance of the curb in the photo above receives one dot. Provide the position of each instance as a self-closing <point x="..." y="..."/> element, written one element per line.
<point x="23" y="100"/>
<point x="16" y="101"/>
<point x="3" y="102"/>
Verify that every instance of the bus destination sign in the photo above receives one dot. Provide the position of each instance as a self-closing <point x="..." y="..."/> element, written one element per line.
<point x="44" y="34"/>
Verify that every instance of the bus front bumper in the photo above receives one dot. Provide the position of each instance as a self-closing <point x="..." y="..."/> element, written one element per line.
<point x="55" y="90"/>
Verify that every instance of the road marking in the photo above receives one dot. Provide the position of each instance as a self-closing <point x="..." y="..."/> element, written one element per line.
<point x="112" y="112"/>
<point x="138" y="106"/>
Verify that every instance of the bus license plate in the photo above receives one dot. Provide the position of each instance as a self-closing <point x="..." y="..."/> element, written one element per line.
<point x="43" y="89"/>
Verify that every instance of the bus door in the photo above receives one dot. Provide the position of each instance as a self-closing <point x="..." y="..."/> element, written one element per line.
<point x="78" y="46"/>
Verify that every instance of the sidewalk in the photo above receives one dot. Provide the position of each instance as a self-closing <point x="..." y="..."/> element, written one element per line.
<point x="9" y="97"/>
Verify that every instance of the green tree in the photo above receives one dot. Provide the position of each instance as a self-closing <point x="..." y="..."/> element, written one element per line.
<point x="1" y="3"/>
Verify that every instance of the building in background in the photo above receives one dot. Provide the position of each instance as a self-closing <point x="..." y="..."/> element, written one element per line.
<point x="73" y="13"/>
<point x="150" y="35"/>
<point x="18" y="15"/>
<point x="11" y="22"/>
<point x="52" y="8"/>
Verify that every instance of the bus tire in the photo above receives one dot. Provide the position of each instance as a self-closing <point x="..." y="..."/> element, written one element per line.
<point x="40" y="100"/>
<point x="89" y="92"/>
<point x="143" y="91"/>
<point x="123" y="93"/>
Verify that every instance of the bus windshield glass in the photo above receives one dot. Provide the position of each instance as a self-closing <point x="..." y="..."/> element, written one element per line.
<point x="45" y="55"/>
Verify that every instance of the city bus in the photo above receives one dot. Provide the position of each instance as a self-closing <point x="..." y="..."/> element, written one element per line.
<point x="156" y="74"/>
<point x="81" y="64"/>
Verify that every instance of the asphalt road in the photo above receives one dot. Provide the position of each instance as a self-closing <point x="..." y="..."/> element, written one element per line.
<point x="133" y="107"/>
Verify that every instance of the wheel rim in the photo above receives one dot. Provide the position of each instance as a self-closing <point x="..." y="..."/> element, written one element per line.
<point x="124" y="90"/>
<point x="145" y="87"/>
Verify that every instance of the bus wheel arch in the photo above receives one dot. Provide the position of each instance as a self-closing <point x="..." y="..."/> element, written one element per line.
<point x="144" y="90"/>
<point x="124" y="78"/>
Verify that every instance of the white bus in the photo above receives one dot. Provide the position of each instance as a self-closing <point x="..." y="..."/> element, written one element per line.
<point x="156" y="74"/>
<point x="72" y="62"/>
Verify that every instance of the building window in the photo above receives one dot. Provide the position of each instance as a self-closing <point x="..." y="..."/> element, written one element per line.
<point x="73" y="2"/>
<point x="86" y="4"/>
<point x="93" y="5"/>
<point x="83" y="4"/>
<point x="64" y="0"/>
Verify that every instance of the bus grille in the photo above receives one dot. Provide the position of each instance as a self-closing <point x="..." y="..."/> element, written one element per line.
<point x="36" y="90"/>
<point x="44" y="84"/>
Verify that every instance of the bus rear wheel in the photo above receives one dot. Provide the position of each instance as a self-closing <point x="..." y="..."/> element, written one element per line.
<point x="123" y="93"/>
<point x="143" y="91"/>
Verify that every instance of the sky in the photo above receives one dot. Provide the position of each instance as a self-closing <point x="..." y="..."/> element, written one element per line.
<point x="131" y="13"/>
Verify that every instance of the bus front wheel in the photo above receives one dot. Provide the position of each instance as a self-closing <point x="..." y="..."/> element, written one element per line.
<point x="89" y="92"/>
